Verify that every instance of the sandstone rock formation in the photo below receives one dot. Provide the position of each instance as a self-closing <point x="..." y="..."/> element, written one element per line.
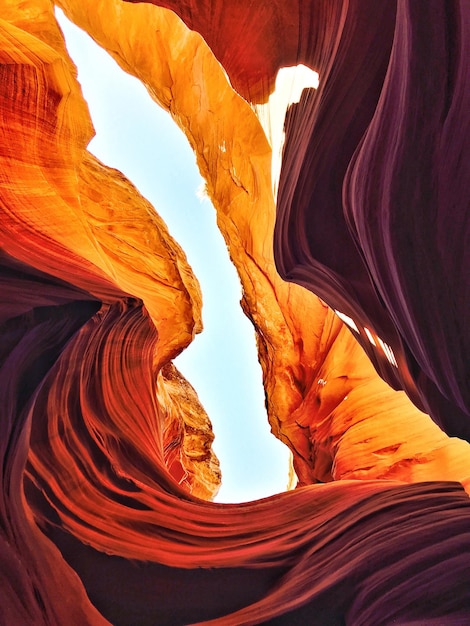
<point x="363" y="217"/>
<point x="107" y="464"/>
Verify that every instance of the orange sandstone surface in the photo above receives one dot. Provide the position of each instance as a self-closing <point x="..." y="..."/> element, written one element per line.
<point x="108" y="470"/>
<point x="69" y="215"/>
<point x="324" y="399"/>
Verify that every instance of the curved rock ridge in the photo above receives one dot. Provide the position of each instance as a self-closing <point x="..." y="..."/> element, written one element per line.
<point x="372" y="198"/>
<point x="66" y="214"/>
<point x="105" y="448"/>
<point x="383" y="179"/>
<point x="296" y="332"/>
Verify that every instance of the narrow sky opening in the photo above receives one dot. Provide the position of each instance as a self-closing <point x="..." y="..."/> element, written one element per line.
<point x="136" y="136"/>
<point x="290" y="83"/>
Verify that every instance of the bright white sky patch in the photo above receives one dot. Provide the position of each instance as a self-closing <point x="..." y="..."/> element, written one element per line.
<point x="290" y="82"/>
<point x="388" y="353"/>
<point x="136" y="136"/>
<point x="347" y="320"/>
<point x="369" y="336"/>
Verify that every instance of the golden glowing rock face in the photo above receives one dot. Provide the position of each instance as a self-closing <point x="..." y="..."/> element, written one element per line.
<point x="106" y="449"/>
<point x="66" y="213"/>
<point x="311" y="362"/>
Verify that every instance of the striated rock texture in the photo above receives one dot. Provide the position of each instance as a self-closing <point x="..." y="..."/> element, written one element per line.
<point x="106" y="451"/>
<point x="372" y="198"/>
<point x="300" y="341"/>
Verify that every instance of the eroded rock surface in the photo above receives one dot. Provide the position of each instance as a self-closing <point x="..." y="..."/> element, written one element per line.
<point x="106" y="449"/>
<point x="372" y="198"/>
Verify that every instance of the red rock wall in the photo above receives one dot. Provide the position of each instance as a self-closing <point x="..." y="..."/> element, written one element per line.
<point x="105" y="448"/>
<point x="372" y="198"/>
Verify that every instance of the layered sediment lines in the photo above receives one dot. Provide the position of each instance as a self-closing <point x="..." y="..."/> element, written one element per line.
<point x="106" y="450"/>
<point x="372" y="198"/>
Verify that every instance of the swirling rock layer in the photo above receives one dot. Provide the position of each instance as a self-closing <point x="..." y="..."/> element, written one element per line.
<point x="106" y="450"/>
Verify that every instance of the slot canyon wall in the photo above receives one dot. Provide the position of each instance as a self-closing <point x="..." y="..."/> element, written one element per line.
<point x="107" y="467"/>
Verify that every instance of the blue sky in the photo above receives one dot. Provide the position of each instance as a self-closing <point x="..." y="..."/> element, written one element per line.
<point x="136" y="136"/>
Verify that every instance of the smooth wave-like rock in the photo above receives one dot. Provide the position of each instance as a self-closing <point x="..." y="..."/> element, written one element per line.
<point x="383" y="179"/>
<point x="372" y="198"/>
<point x="106" y="450"/>
<point x="298" y="351"/>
